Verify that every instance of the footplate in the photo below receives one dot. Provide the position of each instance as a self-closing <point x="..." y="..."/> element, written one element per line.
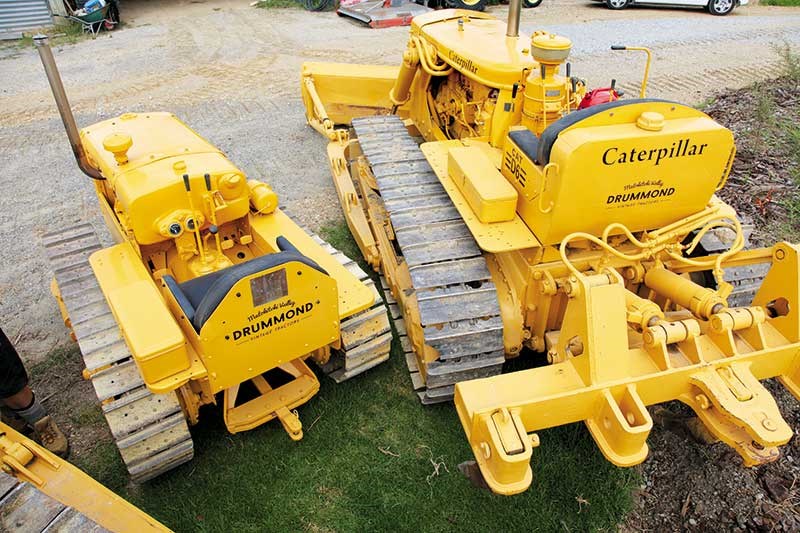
<point x="609" y="372"/>
<point x="149" y="430"/>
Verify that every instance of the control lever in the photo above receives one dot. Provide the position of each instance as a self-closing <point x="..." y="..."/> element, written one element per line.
<point x="212" y="213"/>
<point x="619" y="92"/>
<point x="191" y="223"/>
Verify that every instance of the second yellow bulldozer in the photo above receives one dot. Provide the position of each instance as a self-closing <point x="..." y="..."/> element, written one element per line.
<point x="509" y="210"/>
<point x="208" y="290"/>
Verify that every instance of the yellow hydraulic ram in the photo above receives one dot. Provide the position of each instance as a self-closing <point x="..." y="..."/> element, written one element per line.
<point x="609" y="374"/>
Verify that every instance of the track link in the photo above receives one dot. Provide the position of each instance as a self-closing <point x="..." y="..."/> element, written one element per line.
<point x="456" y="298"/>
<point x="367" y="335"/>
<point x="25" y="508"/>
<point x="149" y="429"/>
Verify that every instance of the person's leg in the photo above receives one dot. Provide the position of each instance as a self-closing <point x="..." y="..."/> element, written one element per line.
<point x="19" y="398"/>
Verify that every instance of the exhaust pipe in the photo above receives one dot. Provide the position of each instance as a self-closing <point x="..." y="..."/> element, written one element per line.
<point x="60" y="96"/>
<point x="514" y="7"/>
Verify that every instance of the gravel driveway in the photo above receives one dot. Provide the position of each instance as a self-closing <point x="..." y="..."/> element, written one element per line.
<point x="232" y="72"/>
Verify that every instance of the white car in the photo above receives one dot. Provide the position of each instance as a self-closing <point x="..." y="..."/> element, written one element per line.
<point x="715" y="7"/>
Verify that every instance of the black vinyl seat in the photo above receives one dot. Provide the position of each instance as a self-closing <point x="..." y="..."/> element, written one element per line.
<point x="200" y="297"/>
<point x="538" y="149"/>
<point x="527" y="141"/>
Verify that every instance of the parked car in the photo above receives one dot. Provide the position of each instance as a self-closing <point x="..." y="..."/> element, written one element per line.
<point x="715" y="7"/>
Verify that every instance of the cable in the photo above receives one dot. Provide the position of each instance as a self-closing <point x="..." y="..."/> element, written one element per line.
<point x="661" y="243"/>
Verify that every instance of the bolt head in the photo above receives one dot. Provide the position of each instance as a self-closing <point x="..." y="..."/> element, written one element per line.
<point x="703" y="401"/>
<point x="486" y="450"/>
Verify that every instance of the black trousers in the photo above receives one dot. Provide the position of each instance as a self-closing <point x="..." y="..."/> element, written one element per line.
<point x="13" y="377"/>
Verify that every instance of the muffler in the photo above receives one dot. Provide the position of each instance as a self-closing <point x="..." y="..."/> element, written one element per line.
<point x="514" y="6"/>
<point x="60" y="96"/>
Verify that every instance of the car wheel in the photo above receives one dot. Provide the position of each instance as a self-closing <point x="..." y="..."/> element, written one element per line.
<point x="720" y="7"/>
<point x="474" y="5"/>
<point x="531" y="3"/>
<point x="618" y="4"/>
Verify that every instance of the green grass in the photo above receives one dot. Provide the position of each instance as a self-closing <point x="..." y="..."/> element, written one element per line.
<point x="271" y="4"/>
<point x="66" y="32"/>
<point x="782" y="3"/>
<point x="703" y="105"/>
<point x="57" y="358"/>
<point x="337" y="478"/>
<point x="790" y="59"/>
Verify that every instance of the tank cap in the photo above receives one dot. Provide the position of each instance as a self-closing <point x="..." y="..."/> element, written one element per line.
<point x="231" y="186"/>
<point x="650" y="121"/>
<point x="118" y="144"/>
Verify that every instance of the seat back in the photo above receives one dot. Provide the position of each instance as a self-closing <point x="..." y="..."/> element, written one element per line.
<point x="256" y="315"/>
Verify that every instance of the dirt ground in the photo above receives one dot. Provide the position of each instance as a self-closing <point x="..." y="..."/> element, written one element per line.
<point x="232" y="73"/>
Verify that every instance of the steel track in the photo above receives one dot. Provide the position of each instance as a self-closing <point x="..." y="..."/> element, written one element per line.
<point x="367" y="335"/>
<point x="25" y="508"/>
<point x="746" y="280"/>
<point x="149" y="429"/>
<point x="455" y="294"/>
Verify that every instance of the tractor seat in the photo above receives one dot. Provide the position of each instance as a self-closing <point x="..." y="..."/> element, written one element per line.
<point x="538" y="148"/>
<point x="551" y="132"/>
<point x="200" y="297"/>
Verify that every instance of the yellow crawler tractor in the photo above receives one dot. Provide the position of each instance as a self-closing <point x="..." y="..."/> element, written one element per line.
<point x="507" y="212"/>
<point x="209" y="289"/>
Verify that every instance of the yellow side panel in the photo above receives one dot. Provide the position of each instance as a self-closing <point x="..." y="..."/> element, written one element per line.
<point x="354" y="296"/>
<point x="488" y="193"/>
<point x="151" y="332"/>
<point x="267" y="319"/>
<point x="495" y="238"/>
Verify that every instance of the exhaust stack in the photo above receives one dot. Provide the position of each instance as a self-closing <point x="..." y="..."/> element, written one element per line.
<point x="60" y="96"/>
<point x="514" y="7"/>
